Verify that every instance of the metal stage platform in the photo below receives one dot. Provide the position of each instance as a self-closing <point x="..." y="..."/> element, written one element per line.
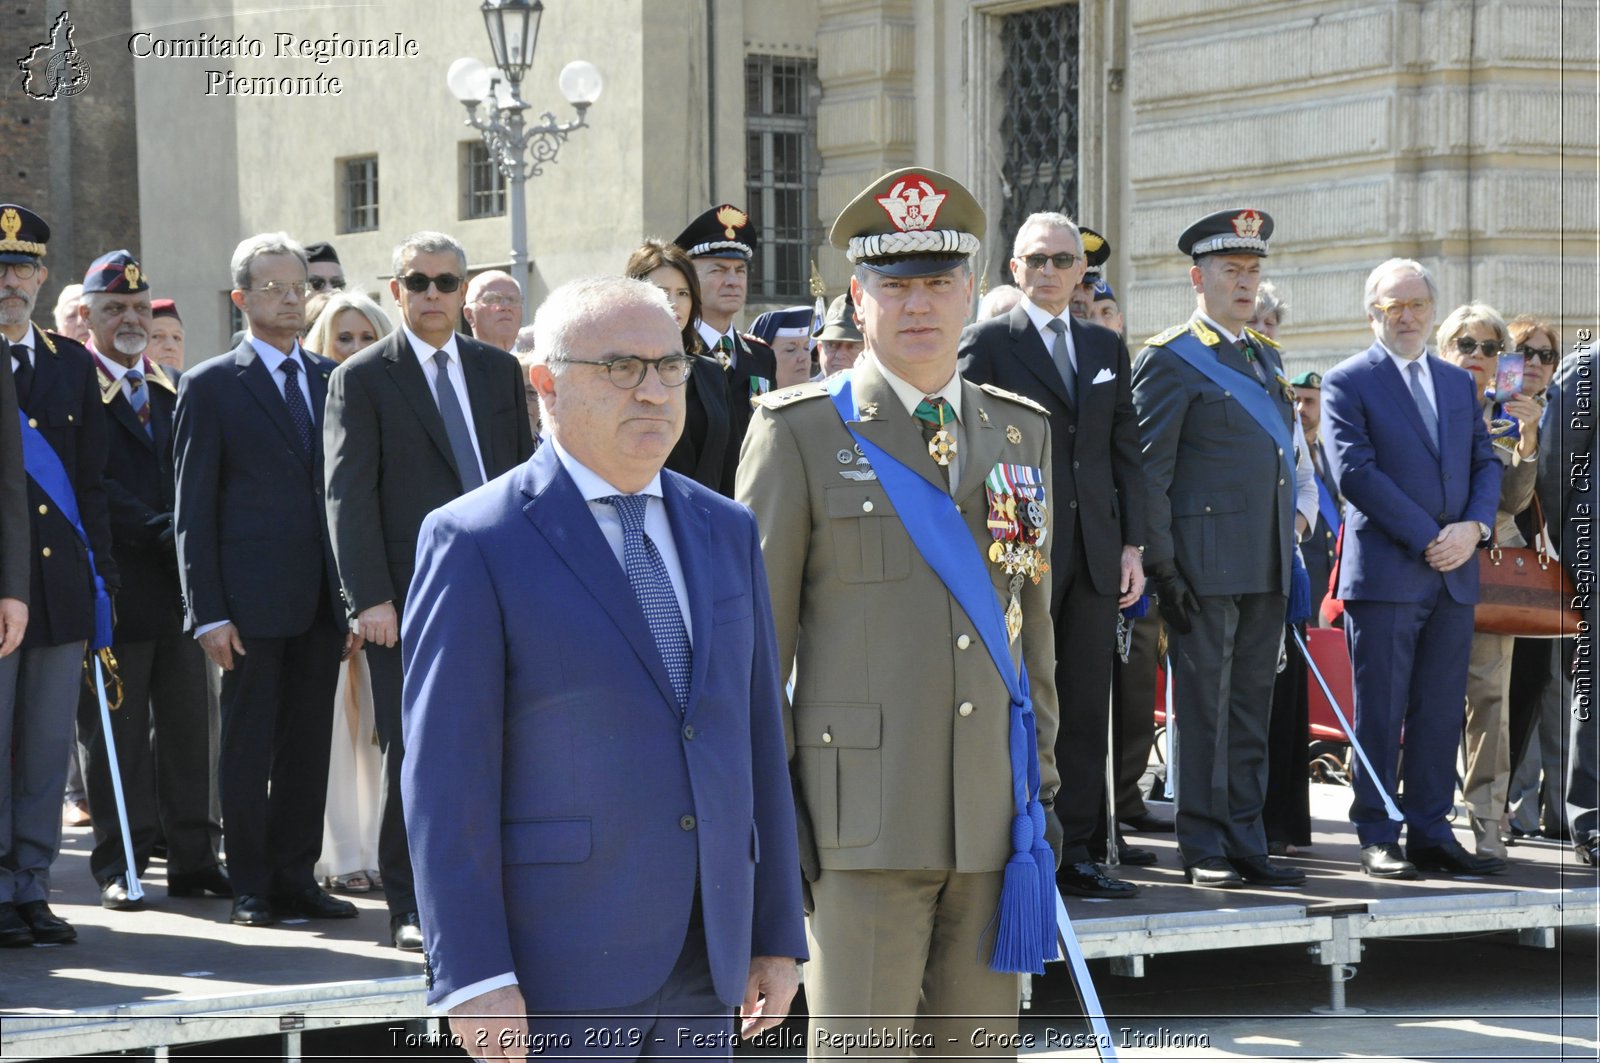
<point x="180" y="974"/>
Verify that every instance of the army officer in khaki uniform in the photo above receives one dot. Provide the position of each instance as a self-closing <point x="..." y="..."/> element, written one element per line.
<point x="900" y="726"/>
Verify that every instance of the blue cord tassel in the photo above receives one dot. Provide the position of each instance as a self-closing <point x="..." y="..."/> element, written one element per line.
<point x="1016" y="939"/>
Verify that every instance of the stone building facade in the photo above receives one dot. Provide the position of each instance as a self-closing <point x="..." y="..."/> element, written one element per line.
<point x="1458" y="132"/>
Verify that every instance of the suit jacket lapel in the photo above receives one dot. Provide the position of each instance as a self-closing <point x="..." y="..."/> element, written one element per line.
<point x="317" y="381"/>
<point x="1035" y="356"/>
<point x="984" y="441"/>
<point x="475" y="370"/>
<point x="890" y="426"/>
<point x="1400" y="393"/>
<point x="711" y="389"/>
<point x="558" y="510"/>
<point x="406" y="372"/>
<point x="258" y="382"/>
<point x="691" y="534"/>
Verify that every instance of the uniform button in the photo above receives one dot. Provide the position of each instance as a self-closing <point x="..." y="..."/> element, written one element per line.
<point x="866" y="507"/>
<point x="69" y="418"/>
<point x="45" y="551"/>
<point x="686" y="822"/>
<point x="1073" y="504"/>
<point x="965" y="709"/>
<point x="1074" y="464"/>
<point x="1327" y="535"/>
<point x="963" y="642"/>
<point x="1227" y="394"/>
<point x="688" y="732"/>
<point x="1208" y="509"/>
<point x="1072" y="428"/>
<point x="43" y="509"/>
<point x="827" y="737"/>
<point x="1280" y="479"/>
<point x="1280" y="452"/>
<point x="33" y="423"/>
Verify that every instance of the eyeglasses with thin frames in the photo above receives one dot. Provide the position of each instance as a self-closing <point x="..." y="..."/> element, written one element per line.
<point x="279" y="290"/>
<point x="23" y="270"/>
<point x="628" y="372"/>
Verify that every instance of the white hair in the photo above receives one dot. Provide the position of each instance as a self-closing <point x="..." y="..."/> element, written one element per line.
<point x="576" y="306"/>
<point x="1385" y="270"/>
<point x="253" y="247"/>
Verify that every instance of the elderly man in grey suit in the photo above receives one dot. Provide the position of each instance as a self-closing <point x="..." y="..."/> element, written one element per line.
<point x="413" y="421"/>
<point x="1216" y="416"/>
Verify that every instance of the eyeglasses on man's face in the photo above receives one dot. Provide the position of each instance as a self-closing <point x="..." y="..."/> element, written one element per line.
<point x="418" y="282"/>
<point x="1060" y="260"/>
<point x="320" y="283"/>
<point x="280" y="290"/>
<point x="628" y="372"/>
<point x="1394" y="309"/>
<point x="23" y="270"/>
<point x="496" y="301"/>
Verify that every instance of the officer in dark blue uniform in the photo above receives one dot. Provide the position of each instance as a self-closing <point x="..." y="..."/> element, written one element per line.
<point x="162" y="733"/>
<point x="64" y="449"/>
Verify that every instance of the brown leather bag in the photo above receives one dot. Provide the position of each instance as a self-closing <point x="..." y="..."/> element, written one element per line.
<point x="1524" y="591"/>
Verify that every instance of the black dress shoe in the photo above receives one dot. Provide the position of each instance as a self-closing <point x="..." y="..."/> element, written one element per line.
<point x="1450" y="858"/>
<point x="212" y="880"/>
<point x="48" y="927"/>
<point x="114" y="895"/>
<point x="1383" y="860"/>
<point x="1147" y="822"/>
<point x="1214" y="871"/>
<point x="14" y="933"/>
<point x="1131" y="855"/>
<point x="252" y="909"/>
<point x="1259" y="871"/>
<point x="314" y="903"/>
<point x="405" y="932"/>
<point x="1084" y="879"/>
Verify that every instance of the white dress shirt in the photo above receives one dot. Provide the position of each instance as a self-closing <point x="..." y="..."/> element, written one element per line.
<point x="458" y="380"/>
<point x="25" y="341"/>
<point x="1041" y="323"/>
<point x="1423" y="369"/>
<point x="119" y="372"/>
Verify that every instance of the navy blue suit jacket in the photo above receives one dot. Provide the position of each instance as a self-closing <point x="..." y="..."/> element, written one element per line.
<point x="1401" y="486"/>
<point x="253" y="542"/>
<point x="559" y="808"/>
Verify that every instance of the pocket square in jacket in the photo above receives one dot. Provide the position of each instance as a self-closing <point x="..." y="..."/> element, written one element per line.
<point x="1102" y="376"/>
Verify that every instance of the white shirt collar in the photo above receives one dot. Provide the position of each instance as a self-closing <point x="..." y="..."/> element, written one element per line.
<point x="1041" y="317"/>
<point x="1400" y="361"/>
<point x="274" y="357"/>
<point x="424" y="350"/>
<point x="116" y="368"/>
<point x="591" y="484"/>
<point x="910" y="397"/>
<point x="711" y="335"/>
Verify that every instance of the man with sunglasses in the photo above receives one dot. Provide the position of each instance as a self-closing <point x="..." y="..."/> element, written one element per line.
<point x="1080" y="373"/>
<point x="1411" y="456"/>
<point x="260" y="589"/>
<point x="421" y="416"/>
<point x="599" y="808"/>
<point x="323" y="271"/>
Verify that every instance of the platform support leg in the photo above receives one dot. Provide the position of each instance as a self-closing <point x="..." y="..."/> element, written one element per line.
<point x="291" y="1046"/>
<point x="1537" y="937"/>
<point x="1339" y="954"/>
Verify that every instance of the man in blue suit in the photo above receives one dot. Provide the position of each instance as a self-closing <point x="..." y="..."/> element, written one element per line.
<point x="1411" y="456"/>
<point x="595" y="784"/>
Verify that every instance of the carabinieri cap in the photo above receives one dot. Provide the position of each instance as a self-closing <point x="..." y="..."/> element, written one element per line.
<point x="913" y="222"/>
<point x="1228" y="232"/>
<point x="724" y="231"/>
<point x="1096" y="250"/>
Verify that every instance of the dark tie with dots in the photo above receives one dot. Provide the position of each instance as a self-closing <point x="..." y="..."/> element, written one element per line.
<point x="653" y="587"/>
<point x="24" y="373"/>
<point x="293" y="398"/>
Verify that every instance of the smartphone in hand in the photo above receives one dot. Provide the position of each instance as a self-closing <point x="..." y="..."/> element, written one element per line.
<point x="1508" y="376"/>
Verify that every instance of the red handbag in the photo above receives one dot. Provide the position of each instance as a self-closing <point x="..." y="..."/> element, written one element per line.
<point x="1524" y="591"/>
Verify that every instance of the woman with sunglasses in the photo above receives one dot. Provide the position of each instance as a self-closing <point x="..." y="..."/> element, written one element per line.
<point x="1473" y="337"/>
<point x="706" y="451"/>
<point x="1538" y="711"/>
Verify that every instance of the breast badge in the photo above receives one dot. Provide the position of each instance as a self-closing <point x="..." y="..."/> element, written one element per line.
<point x="1016" y="523"/>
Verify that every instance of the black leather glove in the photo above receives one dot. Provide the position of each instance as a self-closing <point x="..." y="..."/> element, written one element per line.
<point x="1054" y="835"/>
<point x="1178" y="603"/>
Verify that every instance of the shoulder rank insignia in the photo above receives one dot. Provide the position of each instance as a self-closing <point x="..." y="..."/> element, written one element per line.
<point x="1263" y="338"/>
<point x="157" y="377"/>
<point x="49" y="344"/>
<point x="1162" y="338"/>
<point x="1203" y="332"/>
<point x="1020" y="400"/>
<point x="774" y="400"/>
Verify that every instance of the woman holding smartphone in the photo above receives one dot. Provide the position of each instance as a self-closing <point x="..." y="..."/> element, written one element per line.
<point x="1475" y="337"/>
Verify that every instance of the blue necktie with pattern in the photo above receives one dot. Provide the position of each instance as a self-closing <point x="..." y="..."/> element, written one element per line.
<point x="295" y="399"/>
<point x="653" y="587"/>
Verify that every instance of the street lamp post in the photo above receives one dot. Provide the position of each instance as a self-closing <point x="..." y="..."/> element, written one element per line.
<point x="519" y="150"/>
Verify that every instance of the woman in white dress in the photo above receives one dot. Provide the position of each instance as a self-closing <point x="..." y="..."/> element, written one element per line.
<point x="348" y="322"/>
